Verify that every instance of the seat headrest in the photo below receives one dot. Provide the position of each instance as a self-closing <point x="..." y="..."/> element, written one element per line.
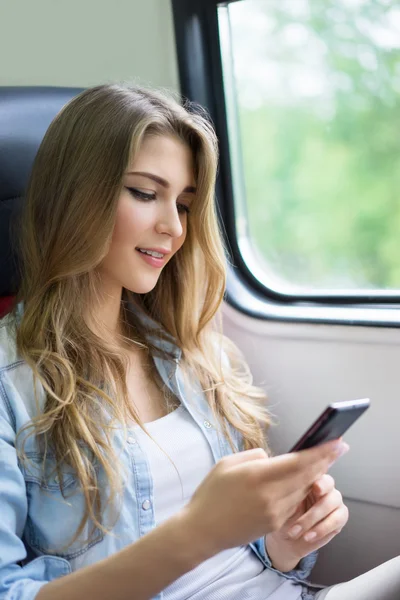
<point x="25" y="114"/>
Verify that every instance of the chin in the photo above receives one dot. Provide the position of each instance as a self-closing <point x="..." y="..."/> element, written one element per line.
<point x="141" y="288"/>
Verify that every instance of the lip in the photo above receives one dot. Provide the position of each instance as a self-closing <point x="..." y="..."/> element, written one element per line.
<point x="160" y="250"/>
<point x="158" y="263"/>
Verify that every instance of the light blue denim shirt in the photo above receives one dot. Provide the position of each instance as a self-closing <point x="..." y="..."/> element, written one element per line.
<point x="34" y="517"/>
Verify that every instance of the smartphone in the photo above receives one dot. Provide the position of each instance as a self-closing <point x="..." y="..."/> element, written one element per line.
<point x="332" y="423"/>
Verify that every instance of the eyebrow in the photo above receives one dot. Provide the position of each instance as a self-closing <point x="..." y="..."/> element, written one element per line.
<point x="190" y="189"/>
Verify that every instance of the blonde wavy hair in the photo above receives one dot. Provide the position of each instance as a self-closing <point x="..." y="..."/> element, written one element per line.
<point x="65" y="233"/>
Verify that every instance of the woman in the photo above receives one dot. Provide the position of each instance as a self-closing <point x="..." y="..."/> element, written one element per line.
<point x="119" y="395"/>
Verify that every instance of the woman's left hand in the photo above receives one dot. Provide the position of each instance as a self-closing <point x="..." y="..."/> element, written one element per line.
<point x="320" y="517"/>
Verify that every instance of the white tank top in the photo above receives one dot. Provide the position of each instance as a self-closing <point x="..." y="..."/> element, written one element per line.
<point x="234" y="574"/>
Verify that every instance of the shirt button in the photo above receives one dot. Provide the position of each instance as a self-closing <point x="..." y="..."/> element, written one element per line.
<point x="207" y="424"/>
<point x="146" y="505"/>
<point x="132" y="439"/>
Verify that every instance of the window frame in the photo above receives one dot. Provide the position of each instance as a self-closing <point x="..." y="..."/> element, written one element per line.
<point x="201" y="80"/>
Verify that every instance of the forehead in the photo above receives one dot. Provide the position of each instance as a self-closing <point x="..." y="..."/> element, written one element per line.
<point x="165" y="155"/>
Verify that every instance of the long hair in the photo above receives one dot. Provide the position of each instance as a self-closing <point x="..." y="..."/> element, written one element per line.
<point x="65" y="233"/>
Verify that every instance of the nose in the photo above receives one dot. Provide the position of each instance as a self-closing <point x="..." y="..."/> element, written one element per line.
<point x="169" y="220"/>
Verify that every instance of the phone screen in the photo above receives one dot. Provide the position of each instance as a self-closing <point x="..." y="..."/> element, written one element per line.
<point x="332" y="423"/>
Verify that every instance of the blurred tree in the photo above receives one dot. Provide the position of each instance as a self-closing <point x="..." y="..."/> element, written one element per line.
<point x="319" y="116"/>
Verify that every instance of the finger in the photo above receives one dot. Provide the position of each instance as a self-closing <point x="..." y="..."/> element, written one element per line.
<point x="316" y="545"/>
<point x="333" y="522"/>
<point x="305" y="480"/>
<point x="320" y="458"/>
<point x="245" y="456"/>
<point x="317" y="461"/>
<point x="294" y="507"/>
<point x="322" y="486"/>
<point x="319" y="488"/>
<point x="317" y="513"/>
<point x="306" y="466"/>
<point x="298" y="512"/>
<point x="289" y="507"/>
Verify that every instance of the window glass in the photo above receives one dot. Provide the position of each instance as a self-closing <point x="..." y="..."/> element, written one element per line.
<point x="313" y="99"/>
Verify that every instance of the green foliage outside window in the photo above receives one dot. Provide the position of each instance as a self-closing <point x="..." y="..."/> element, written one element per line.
<point x="321" y="144"/>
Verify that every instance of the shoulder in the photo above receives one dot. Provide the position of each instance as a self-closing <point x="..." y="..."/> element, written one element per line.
<point x="9" y="361"/>
<point x="18" y="401"/>
<point x="9" y="357"/>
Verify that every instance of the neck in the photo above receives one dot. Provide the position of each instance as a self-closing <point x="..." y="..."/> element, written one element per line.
<point x="105" y="317"/>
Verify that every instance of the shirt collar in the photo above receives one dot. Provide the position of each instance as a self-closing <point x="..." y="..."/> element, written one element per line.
<point x="165" y="345"/>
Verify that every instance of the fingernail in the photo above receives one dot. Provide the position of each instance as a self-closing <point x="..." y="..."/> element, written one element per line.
<point x="334" y="445"/>
<point x="343" y="448"/>
<point x="310" y="536"/>
<point x="295" y="531"/>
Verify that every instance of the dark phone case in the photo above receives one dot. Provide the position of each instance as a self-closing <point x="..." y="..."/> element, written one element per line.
<point x="332" y="424"/>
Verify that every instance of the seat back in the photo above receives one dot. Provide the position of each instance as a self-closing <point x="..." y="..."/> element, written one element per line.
<point x="25" y="114"/>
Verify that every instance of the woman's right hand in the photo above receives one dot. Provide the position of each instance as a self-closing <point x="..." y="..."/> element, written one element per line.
<point x="247" y="495"/>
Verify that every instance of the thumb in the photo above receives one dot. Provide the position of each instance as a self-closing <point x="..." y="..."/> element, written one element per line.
<point x="245" y="456"/>
<point x="322" y="486"/>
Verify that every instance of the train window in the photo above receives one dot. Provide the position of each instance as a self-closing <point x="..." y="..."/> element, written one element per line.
<point x="312" y="94"/>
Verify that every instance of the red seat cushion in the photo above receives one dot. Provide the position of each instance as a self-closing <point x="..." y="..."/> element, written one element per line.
<point x="6" y="304"/>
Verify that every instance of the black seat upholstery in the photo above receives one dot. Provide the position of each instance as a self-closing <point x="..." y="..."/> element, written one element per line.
<point x="25" y="114"/>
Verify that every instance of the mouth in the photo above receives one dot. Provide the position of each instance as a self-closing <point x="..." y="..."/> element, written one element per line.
<point x="151" y="252"/>
<point x="151" y="257"/>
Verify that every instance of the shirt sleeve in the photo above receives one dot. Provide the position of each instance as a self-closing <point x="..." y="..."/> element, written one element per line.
<point x="19" y="579"/>
<point x="300" y="573"/>
<point x="305" y="566"/>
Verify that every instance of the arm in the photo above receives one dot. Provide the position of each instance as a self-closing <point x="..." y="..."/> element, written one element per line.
<point x="298" y="571"/>
<point x="139" y="571"/>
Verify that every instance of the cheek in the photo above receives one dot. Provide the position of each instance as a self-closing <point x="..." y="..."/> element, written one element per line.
<point x="128" y="224"/>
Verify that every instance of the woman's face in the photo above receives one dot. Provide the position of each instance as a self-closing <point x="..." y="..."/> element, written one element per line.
<point x="152" y="214"/>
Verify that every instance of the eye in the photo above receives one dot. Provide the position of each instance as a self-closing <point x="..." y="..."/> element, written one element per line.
<point x="140" y="195"/>
<point x="182" y="208"/>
